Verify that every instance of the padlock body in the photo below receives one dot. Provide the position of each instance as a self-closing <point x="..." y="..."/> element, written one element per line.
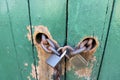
<point x="53" y="60"/>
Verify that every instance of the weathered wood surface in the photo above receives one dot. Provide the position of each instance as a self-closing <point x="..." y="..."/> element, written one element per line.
<point x="88" y="18"/>
<point x="50" y="13"/>
<point x="99" y="18"/>
<point x="16" y="54"/>
<point x="110" y="69"/>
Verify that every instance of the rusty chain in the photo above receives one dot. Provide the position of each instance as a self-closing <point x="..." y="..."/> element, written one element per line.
<point x="51" y="47"/>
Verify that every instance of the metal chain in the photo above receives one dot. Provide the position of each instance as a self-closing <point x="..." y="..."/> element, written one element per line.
<point x="57" y="72"/>
<point x="48" y="45"/>
<point x="51" y="47"/>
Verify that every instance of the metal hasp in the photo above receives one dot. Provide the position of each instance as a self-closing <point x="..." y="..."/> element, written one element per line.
<point x="54" y="59"/>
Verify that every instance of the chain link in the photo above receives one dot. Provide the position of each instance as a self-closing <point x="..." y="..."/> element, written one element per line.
<point x="51" y="47"/>
<point x="48" y="45"/>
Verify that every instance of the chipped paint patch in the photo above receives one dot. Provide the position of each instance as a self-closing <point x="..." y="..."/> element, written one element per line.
<point x="45" y="72"/>
<point x="29" y="33"/>
<point x="33" y="73"/>
<point x="79" y="68"/>
<point x="26" y="64"/>
<point x="86" y="71"/>
<point x="28" y="78"/>
<point x="88" y="55"/>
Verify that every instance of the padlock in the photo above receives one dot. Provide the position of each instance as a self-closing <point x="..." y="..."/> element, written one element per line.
<point x="54" y="59"/>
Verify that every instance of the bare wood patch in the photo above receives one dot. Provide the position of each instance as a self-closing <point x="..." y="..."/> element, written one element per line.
<point x="45" y="72"/>
<point x="29" y="33"/>
<point x="28" y="78"/>
<point x="79" y="67"/>
<point x="26" y="64"/>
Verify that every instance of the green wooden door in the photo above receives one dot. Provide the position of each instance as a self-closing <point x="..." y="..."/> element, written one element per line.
<point x="88" y="18"/>
<point x="16" y="54"/>
<point x="68" y="21"/>
<point x="110" y="65"/>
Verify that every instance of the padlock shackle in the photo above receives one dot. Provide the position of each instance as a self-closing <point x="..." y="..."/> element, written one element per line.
<point x="63" y="54"/>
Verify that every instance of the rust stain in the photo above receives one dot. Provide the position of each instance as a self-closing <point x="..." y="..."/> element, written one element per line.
<point x="89" y="54"/>
<point x="86" y="71"/>
<point x="29" y="33"/>
<point x="45" y="72"/>
<point x="79" y="67"/>
<point x="33" y="73"/>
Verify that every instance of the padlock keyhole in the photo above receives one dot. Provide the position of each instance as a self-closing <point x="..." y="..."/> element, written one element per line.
<point x="39" y="37"/>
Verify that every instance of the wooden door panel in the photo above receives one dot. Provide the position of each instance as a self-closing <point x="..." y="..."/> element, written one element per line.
<point x="21" y="61"/>
<point x="110" y="67"/>
<point x="50" y="14"/>
<point x="15" y="47"/>
<point x="88" y="18"/>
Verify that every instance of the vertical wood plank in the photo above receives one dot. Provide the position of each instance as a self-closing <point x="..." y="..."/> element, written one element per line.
<point x="50" y="13"/>
<point x="17" y="48"/>
<point x="111" y="66"/>
<point x="88" y="18"/>
<point x="8" y="61"/>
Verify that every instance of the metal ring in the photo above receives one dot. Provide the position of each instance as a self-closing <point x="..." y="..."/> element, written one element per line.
<point x="43" y="37"/>
<point x="45" y="48"/>
<point x="90" y="41"/>
<point x="50" y="43"/>
<point x="53" y="50"/>
<point x="89" y="48"/>
<point x="78" y="51"/>
<point x="61" y="48"/>
<point x="82" y="44"/>
<point x="67" y="47"/>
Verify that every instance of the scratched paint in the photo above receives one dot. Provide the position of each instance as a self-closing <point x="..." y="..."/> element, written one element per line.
<point x="87" y="70"/>
<point x="45" y="72"/>
<point x="28" y="78"/>
<point x="33" y="73"/>
<point x="79" y="68"/>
